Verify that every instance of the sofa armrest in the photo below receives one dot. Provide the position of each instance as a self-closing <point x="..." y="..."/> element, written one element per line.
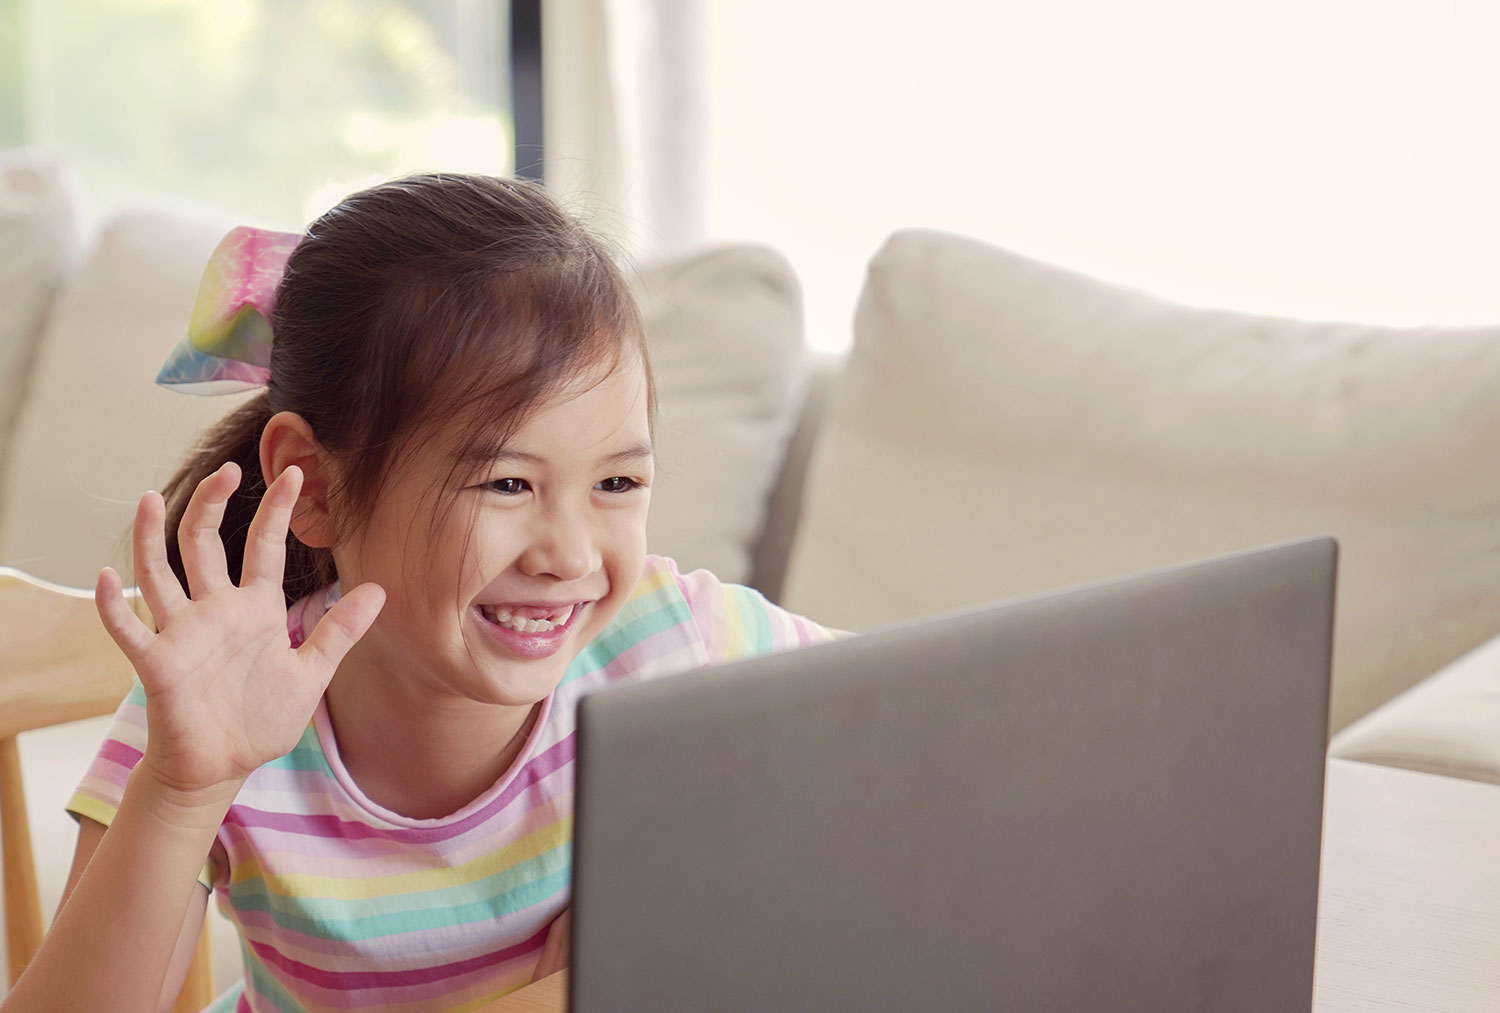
<point x="1448" y="724"/>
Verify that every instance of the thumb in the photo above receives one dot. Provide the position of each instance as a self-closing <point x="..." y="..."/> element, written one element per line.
<point x="342" y="626"/>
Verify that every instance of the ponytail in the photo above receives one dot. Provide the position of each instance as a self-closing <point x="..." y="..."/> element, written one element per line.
<point x="236" y="438"/>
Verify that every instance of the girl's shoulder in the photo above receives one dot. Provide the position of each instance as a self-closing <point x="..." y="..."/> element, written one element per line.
<point x="655" y="631"/>
<point x="728" y="621"/>
<point x="696" y="597"/>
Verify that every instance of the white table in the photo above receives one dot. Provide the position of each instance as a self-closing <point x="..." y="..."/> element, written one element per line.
<point x="1409" y="901"/>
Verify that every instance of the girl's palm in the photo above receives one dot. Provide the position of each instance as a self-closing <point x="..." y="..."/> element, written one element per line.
<point x="225" y="691"/>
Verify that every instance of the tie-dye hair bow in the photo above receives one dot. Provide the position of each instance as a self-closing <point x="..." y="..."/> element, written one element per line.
<point x="228" y="342"/>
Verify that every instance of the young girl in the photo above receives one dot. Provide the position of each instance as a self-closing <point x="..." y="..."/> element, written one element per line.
<point x="379" y="589"/>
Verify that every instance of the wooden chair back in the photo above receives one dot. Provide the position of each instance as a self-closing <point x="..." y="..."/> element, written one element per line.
<point x="57" y="664"/>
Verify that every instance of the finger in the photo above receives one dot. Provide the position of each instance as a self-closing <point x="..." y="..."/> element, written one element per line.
<point x="265" y="544"/>
<point x="198" y="535"/>
<point x="124" y="627"/>
<point x="342" y="627"/>
<point x="164" y="595"/>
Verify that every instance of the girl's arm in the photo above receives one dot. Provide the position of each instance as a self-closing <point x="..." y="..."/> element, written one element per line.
<point x="138" y="961"/>
<point x="90" y="833"/>
<point x="225" y="693"/>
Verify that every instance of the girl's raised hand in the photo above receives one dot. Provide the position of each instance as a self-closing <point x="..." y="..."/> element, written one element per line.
<point x="225" y="691"/>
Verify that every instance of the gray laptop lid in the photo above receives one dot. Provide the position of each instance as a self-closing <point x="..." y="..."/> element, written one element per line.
<point x="1103" y="799"/>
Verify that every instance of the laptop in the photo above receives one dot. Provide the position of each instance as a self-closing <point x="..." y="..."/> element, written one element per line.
<point x="1101" y="799"/>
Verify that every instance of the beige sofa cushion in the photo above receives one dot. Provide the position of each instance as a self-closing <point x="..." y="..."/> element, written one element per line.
<point x="96" y="432"/>
<point x="1005" y="427"/>
<point x="1448" y="724"/>
<point x="725" y="328"/>
<point x="36" y="241"/>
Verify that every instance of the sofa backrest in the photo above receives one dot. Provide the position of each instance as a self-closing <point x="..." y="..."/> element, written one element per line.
<point x="1003" y="427"/>
<point x="95" y="432"/>
<point x="36" y="250"/>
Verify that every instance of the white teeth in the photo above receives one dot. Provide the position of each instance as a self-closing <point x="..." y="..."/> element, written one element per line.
<point x="503" y="617"/>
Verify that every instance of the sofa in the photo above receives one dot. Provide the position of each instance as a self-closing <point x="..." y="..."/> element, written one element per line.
<point x="1001" y="427"/>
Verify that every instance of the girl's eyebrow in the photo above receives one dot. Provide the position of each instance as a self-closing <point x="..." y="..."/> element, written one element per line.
<point x="636" y="453"/>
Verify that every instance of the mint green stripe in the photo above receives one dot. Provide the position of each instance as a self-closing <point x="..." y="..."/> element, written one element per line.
<point x="754" y="618"/>
<point x="307" y="754"/>
<point x="328" y="925"/>
<point x="226" y="1001"/>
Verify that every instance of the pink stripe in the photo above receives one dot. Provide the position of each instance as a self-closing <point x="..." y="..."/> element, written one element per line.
<point x="105" y="782"/>
<point x="807" y="633"/>
<point x="242" y="842"/>
<point x="305" y="787"/>
<point x="118" y="752"/>
<point x="351" y="980"/>
<point x="400" y="949"/>
<point x="267" y="794"/>
<point x="447" y="994"/>
<point x="299" y="854"/>
<point x="322" y="825"/>
<point x="370" y="855"/>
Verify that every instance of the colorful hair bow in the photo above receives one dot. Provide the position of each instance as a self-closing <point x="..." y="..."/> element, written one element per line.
<point x="228" y="342"/>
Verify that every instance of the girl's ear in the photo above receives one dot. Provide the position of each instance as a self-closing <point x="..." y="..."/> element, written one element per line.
<point x="288" y="440"/>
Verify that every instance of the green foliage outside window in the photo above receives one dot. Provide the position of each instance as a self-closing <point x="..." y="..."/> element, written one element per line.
<point x="12" y="127"/>
<point x="271" y="108"/>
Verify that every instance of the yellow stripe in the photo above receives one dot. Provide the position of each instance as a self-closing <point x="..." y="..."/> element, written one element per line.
<point x="86" y="805"/>
<point x="480" y="1003"/>
<point x="526" y="848"/>
<point x="651" y="583"/>
<point x="734" y="626"/>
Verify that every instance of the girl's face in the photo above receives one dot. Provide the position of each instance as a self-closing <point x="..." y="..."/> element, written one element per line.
<point x="497" y="576"/>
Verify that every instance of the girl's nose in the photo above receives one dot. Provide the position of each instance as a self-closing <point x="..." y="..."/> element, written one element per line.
<point x="561" y="546"/>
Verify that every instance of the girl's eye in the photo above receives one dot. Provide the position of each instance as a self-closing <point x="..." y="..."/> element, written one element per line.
<point x="619" y="483"/>
<point x="507" y="486"/>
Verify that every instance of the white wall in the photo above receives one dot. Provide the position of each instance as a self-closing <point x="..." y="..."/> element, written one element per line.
<point x="1318" y="158"/>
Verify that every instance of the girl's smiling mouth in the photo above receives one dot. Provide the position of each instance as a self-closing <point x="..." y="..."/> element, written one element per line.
<point x="532" y="630"/>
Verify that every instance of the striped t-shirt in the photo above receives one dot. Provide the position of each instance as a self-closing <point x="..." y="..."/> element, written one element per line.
<point x="342" y="904"/>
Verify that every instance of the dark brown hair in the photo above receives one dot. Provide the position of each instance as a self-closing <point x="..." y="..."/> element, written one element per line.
<point x="412" y="304"/>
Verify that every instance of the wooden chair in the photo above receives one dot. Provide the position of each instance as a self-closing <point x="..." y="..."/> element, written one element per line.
<point x="57" y="664"/>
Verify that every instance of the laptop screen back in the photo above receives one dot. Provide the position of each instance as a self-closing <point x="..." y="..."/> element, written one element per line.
<point x="1107" y="798"/>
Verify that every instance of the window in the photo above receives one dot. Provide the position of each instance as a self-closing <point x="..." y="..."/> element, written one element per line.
<point x="270" y="108"/>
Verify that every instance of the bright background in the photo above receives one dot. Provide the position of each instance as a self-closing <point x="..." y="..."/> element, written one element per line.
<point x="1316" y="158"/>
<point x="1328" y="159"/>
